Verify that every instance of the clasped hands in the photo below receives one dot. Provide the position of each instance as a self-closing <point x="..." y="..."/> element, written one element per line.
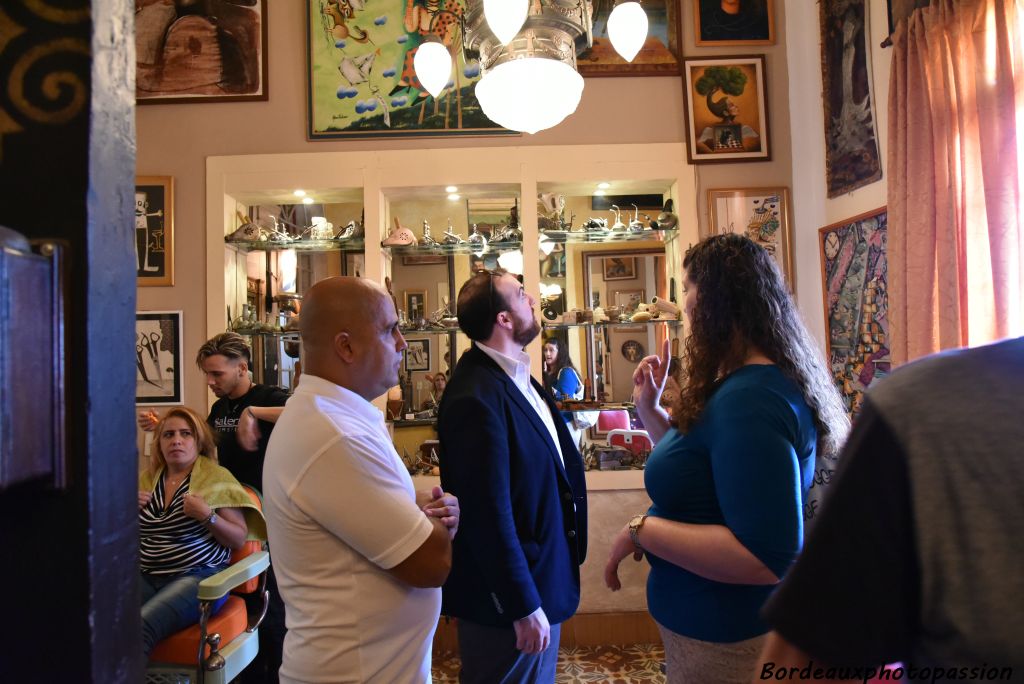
<point x="194" y="505"/>
<point x="444" y="507"/>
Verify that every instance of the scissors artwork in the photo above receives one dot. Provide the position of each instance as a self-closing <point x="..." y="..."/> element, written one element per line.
<point x="147" y="353"/>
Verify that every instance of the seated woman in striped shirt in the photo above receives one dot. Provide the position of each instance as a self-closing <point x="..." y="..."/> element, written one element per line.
<point x="186" y="532"/>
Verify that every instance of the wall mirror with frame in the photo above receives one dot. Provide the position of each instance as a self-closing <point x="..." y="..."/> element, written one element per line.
<point x="621" y="280"/>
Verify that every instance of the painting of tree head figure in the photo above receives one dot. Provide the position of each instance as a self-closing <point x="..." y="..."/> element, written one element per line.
<point x="726" y="111"/>
<point x="854" y="288"/>
<point x="851" y="147"/>
<point x="362" y="81"/>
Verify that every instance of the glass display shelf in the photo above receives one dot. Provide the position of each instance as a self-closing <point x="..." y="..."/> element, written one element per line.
<point x="566" y="236"/>
<point x="451" y="249"/>
<point x="554" y="325"/>
<point x="427" y="331"/>
<point x="347" y="245"/>
<point x="259" y="332"/>
<point x="418" y="422"/>
<point x="573" y="406"/>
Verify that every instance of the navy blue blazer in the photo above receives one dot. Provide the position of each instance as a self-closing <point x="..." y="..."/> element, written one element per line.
<point x="523" y="527"/>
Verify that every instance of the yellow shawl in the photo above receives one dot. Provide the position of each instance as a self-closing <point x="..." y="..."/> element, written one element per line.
<point x="219" y="489"/>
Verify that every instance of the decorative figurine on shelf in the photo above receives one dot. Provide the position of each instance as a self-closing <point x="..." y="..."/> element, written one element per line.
<point x="618" y="225"/>
<point x="427" y="240"/>
<point x="635" y="226"/>
<point x="400" y="237"/>
<point x="477" y="239"/>
<point x="247" y="232"/>
<point x="666" y="219"/>
<point x="321" y="229"/>
<point x="451" y="237"/>
<point x="350" y="231"/>
<point x="596" y="225"/>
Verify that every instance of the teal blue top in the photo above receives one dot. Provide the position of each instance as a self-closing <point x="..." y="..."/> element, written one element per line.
<point x="747" y="464"/>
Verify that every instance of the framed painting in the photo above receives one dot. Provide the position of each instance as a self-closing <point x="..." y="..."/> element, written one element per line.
<point x="154" y="230"/>
<point x="734" y="22"/>
<point x="415" y="304"/>
<point x="417" y="355"/>
<point x="216" y="51"/>
<point x="854" y="288"/>
<point x="362" y="83"/>
<point x="158" y="349"/>
<point x="726" y="111"/>
<point x="619" y="268"/>
<point x="851" y="144"/>
<point x="659" y="55"/>
<point x="762" y="214"/>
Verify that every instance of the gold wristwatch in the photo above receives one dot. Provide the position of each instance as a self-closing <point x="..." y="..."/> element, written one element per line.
<point x="634" y="529"/>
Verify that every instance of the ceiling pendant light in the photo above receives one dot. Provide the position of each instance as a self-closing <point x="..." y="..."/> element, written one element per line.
<point x="627" y="29"/>
<point x="505" y="17"/>
<point x="433" y="65"/>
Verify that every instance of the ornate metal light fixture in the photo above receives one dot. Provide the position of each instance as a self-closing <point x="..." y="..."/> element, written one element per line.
<point x="529" y="80"/>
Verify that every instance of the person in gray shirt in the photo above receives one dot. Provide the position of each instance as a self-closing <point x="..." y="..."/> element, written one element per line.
<point x="918" y="555"/>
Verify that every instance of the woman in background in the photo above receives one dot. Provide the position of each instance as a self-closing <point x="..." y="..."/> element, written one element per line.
<point x="733" y="463"/>
<point x="192" y="514"/>
<point x="560" y="376"/>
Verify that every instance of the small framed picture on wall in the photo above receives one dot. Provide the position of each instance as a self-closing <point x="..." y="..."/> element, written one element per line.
<point x="158" y="345"/>
<point x="154" y="230"/>
<point x="417" y="355"/>
<point x="762" y="214"/>
<point x="415" y="304"/>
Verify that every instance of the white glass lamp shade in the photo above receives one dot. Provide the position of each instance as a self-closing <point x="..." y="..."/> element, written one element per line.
<point x="433" y="66"/>
<point x="627" y="29"/>
<point x="511" y="262"/>
<point x="505" y="17"/>
<point x="529" y="95"/>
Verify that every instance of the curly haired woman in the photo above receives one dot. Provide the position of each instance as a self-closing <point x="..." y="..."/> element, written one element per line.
<point x="733" y="463"/>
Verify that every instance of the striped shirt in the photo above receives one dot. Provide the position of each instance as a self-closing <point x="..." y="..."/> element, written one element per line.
<point x="171" y="542"/>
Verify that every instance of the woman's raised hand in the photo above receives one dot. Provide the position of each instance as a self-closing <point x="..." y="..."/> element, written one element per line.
<point x="649" y="378"/>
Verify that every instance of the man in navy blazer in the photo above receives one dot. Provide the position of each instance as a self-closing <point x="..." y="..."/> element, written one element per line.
<point x="508" y="457"/>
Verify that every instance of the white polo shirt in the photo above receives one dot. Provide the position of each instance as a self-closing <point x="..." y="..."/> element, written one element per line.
<point x="341" y="509"/>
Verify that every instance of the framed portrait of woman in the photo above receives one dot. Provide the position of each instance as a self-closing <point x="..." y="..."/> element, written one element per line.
<point x="734" y="22"/>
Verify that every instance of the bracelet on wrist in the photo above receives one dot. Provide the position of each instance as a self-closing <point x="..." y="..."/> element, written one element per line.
<point x="634" y="529"/>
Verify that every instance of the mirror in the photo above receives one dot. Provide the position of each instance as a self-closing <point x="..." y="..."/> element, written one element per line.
<point x="621" y="279"/>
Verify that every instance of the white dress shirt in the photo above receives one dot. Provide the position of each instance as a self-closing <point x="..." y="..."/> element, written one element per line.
<point x="518" y="369"/>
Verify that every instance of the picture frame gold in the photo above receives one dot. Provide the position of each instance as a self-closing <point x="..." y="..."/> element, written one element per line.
<point x="752" y="24"/>
<point x="154" y="231"/>
<point x="762" y="214"/>
<point x="734" y="127"/>
<point x="659" y="55"/>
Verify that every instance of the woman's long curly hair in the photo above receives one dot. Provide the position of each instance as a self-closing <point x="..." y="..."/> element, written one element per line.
<point x="742" y="304"/>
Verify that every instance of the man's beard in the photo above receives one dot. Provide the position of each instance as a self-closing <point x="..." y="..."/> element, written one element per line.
<point x="524" y="332"/>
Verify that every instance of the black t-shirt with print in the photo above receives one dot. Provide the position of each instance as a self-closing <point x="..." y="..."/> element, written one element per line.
<point x="247" y="466"/>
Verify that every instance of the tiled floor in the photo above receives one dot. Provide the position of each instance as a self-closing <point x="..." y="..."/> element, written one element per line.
<point x="606" y="664"/>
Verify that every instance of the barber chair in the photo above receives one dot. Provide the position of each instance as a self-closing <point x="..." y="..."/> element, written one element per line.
<point x="225" y="641"/>
<point x="636" y="441"/>
<point x="613" y="420"/>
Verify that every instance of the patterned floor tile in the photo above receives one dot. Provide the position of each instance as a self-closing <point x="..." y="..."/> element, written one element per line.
<point x="582" y="664"/>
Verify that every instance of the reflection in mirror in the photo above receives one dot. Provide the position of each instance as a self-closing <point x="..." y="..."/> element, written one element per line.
<point x="619" y="282"/>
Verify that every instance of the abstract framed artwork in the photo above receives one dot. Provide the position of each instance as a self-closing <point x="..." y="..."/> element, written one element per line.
<point x="734" y="22"/>
<point x="762" y="214"/>
<point x="851" y="143"/>
<point x="214" y="51"/>
<point x="659" y="55"/>
<point x="362" y="83"/>
<point x="726" y="111"/>
<point x="158" y="357"/>
<point x="154" y="230"/>
<point x="417" y="355"/>
<point x="854" y="288"/>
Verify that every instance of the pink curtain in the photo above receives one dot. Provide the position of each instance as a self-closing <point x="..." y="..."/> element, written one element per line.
<point x="956" y="177"/>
